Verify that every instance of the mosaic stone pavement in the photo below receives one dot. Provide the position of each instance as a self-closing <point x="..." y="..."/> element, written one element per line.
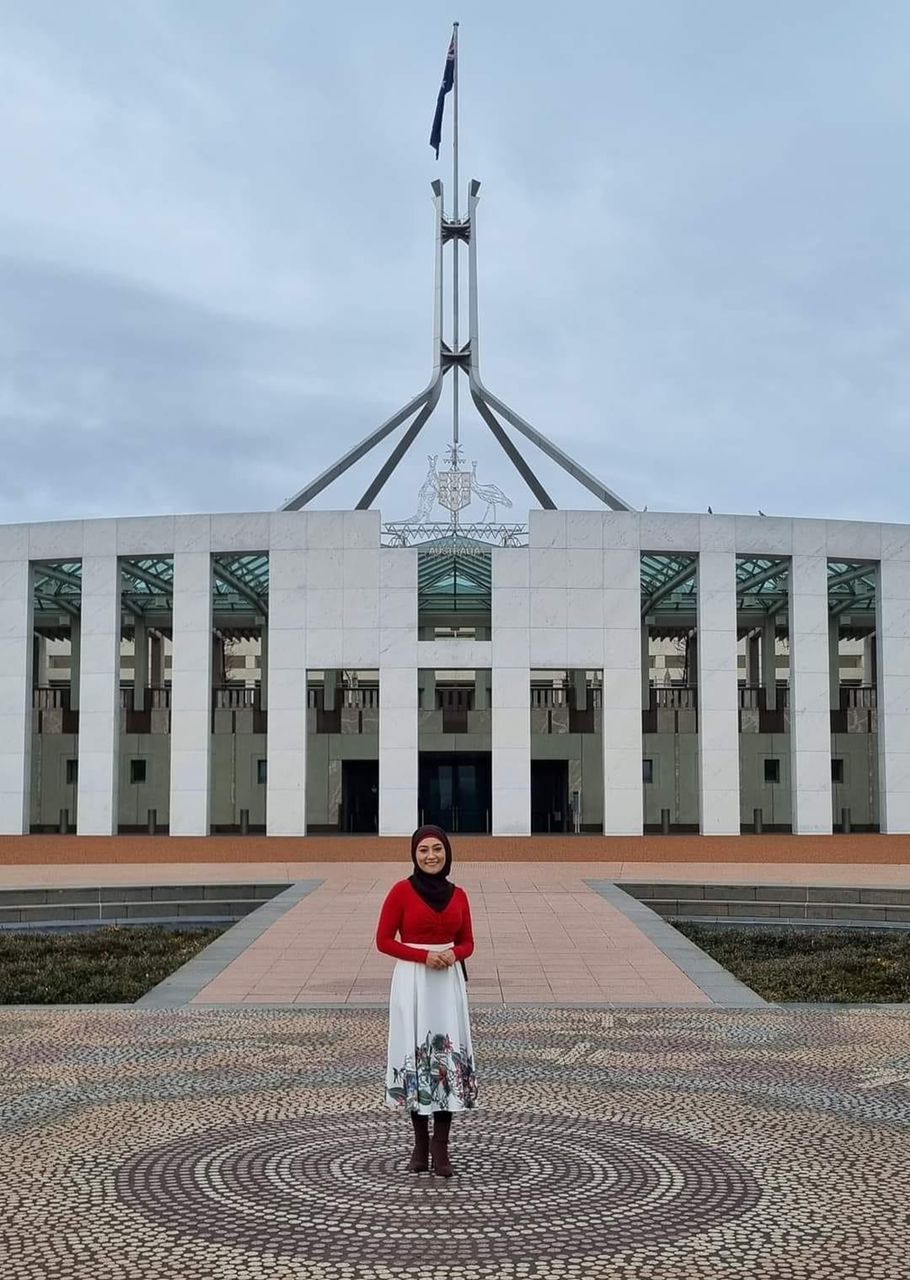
<point x="657" y="1144"/>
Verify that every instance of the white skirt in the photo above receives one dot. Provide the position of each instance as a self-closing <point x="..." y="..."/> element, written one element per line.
<point x="430" y="1065"/>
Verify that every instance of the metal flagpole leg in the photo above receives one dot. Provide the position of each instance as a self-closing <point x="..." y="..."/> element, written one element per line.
<point x="480" y="394"/>
<point x="455" y="240"/>
<point x="400" y="449"/>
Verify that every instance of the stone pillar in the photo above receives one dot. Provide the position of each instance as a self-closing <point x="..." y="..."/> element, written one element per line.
<point x="140" y="664"/>
<point x="285" y="668"/>
<point x="329" y="689"/>
<point x="16" y="606"/>
<point x="810" y="721"/>
<point x="428" y="685"/>
<point x="482" y="689"/>
<point x="264" y="664"/>
<point x="219" y="672"/>
<point x="580" y="684"/>
<point x="834" y="664"/>
<point x="511" y="692"/>
<point x="753" y="660"/>
<point x="869" y="671"/>
<point x="718" y="715"/>
<point x="156" y="661"/>
<point x="397" y="691"/>
<point x="99" y="698"/>
<point x="892" y="610"/>
<point x="41" y="674"/>
<point x="191" y="694"/>
<point x="769" y="663"/>
<point x="692" y="659"/>
<point x="623" y="686"/>
<point x="75" y="661"/>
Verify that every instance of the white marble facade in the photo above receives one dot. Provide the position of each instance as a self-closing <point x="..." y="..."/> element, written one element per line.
<point x="571" y="599"/>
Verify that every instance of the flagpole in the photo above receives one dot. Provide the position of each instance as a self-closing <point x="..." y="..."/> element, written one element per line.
<point x="455" y="250"/>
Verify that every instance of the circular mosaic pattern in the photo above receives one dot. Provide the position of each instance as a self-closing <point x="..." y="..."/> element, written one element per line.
<point x="529" y="1186"/>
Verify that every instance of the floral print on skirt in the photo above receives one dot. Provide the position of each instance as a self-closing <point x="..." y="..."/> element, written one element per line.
<point x="430" y="1064"/>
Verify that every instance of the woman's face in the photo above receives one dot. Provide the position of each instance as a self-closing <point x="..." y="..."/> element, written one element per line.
<point x="431" y="855"/>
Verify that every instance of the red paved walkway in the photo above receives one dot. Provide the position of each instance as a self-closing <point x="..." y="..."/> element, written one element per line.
<point x="541" y="934"/>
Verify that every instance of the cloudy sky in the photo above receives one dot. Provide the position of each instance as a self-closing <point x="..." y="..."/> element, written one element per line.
<point x="216" y="248"/>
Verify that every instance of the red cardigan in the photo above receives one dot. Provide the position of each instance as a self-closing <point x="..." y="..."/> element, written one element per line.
<point x="405" y="912"/>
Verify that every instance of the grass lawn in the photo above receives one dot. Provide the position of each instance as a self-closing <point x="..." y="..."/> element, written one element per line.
<point x="849" y="965"/>
<point x="96" y="967"/>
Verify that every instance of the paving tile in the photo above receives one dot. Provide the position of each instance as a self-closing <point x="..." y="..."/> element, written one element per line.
<point x="649" y="1143"/>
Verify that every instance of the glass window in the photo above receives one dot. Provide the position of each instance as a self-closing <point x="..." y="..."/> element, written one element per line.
<point x="837" y="770"/>
<point x="647" y="770"/>
<point x="137" y="770"/>
<point x="72" y="771"/>
<point x="262" y="770"/>
<point x="772" y="771"/>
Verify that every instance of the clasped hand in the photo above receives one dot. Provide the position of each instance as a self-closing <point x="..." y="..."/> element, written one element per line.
<point x="440" y="959"/>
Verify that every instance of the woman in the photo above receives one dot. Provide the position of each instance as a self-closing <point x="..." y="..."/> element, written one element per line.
<point x="430" y="1057"/>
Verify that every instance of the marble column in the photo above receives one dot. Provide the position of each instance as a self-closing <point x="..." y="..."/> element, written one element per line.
<point x="579" y="680"/>
<point x="869" y="673"/>
<point x="892" y="607"/>
<point x="623" y="688"/>
<point x="329" y="689"/>
<point x="191" y="694"/>
<point x="718" y="716"/>
<point x="753" y="660"/>
<point x="285" y="668"/>
<point x="769" y="663"/>
<point x="511" y="692"/>
<point x="140" y="663"/>
<point x="398" y="748"/>
<point x="16" y="605"/>
<point x="75" y="661"/>
<point x="156" y="661"/>
<point x="263" y="664"/>
<point x="99" y="697"/>
<point x="810" y="720"/>
<point x="41" y="662"/>
<point x="834" y="663"/>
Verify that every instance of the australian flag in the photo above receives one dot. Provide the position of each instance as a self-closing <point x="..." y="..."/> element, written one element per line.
<point x="448" y="79"/>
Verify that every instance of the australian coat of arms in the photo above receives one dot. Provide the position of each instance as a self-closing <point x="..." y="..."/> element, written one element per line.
<point x="454" y="489"/>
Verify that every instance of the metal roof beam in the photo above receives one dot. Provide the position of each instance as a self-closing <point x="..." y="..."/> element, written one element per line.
<point x="667" y="588"/>
<point x="57" y="575"/>
<point x="246" y="592"/>
<point x="131" y="569"/>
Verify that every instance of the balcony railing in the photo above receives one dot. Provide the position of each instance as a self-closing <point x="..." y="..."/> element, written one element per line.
<point x="675" y="697"/>
<point x="235" y="697"/>
<point x="46" y="698"/>
<point x="754" y="697"/>
<point x="549" y="697"/>
<point x="362" y="699"/>
<point x="459" y="698"/>
<point x="858" y="695"/>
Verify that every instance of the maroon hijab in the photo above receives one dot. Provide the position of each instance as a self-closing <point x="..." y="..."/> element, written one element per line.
<point x="435" y="888"/>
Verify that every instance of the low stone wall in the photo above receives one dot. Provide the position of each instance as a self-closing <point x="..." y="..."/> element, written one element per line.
<point x="85" y="907"/>
<point x="33" y="850"/>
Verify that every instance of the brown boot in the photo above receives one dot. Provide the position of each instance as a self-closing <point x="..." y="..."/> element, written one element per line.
<point x="442" y="1122"/>
<point x="420" y="1156"/>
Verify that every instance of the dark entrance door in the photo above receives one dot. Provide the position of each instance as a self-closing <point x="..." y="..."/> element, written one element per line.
<point x="360" y="795"/>
<point x="455" y="791"/>
<point x="549" y="795"/>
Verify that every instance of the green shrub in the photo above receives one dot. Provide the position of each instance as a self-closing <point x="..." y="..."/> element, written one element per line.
<point x="101" y="966"/>
<point x="812" y="965"/>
